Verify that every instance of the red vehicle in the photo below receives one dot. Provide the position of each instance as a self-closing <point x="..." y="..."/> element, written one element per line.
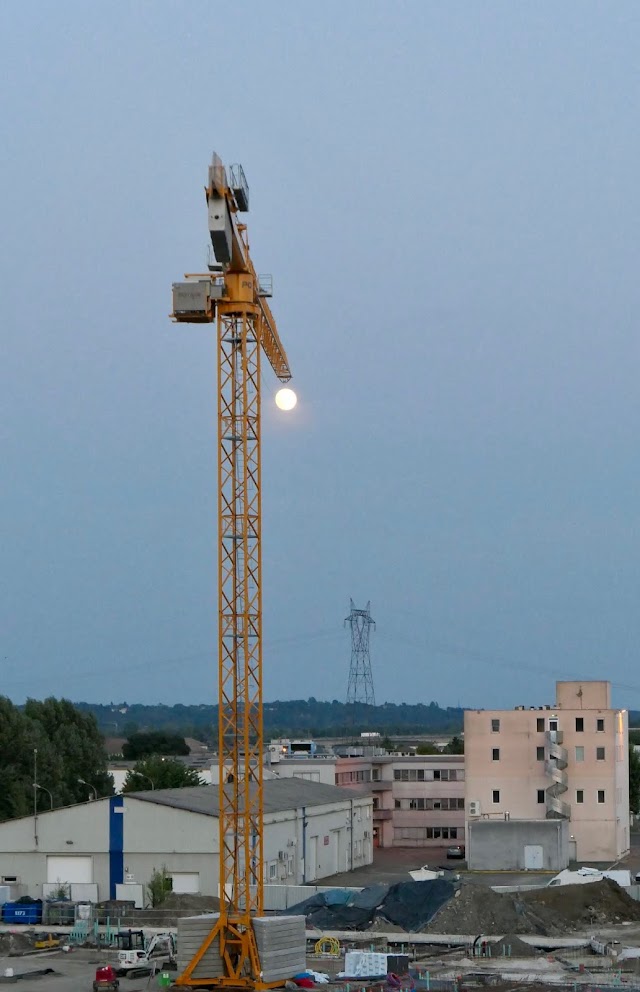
<point x="106" y="980"/>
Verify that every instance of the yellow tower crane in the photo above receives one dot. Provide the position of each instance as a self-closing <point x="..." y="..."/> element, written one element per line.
<point x="232" y="295"/>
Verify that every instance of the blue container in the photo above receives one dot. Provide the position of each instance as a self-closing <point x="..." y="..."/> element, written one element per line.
<point x="22" y="912"/>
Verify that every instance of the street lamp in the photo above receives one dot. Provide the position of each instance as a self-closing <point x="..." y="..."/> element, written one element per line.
<point x="142" y="775"/>
<point x="36" y="785"/>
<point x="95" y="791"/>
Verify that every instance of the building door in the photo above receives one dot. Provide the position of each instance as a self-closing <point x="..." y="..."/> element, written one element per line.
<point x="376" y="837"/>
<point x="185" y="881"/>
<point x="573" y="849"/>
<point x="533" y="857"/>
<point x="311" y="867"/>
<point x="334" y="853"/>
<point x="69" y="869"/>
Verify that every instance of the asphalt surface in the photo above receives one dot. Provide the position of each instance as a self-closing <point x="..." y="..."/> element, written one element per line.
<point x="73" y="972"/>
<point x="393" y="864"/>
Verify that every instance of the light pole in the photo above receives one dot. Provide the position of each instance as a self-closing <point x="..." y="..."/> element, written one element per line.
<point x="142" y="775"/>
<point x="35" y="795"/>
<point x="43" y="789"/>
<point x="95" y="791"/>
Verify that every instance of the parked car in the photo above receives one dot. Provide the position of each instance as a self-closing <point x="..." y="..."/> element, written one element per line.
<point x="457" y="851"/>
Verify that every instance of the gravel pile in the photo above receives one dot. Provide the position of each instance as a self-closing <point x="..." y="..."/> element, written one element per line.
<point x="548" y="911"/>
<point x="13" y="942"/>
<point x="478" y="909"/>
<point x="576" y="907"/>
<point x="512" y="946"/>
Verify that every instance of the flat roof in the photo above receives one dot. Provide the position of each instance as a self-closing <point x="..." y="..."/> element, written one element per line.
<point x="279" y="794"/>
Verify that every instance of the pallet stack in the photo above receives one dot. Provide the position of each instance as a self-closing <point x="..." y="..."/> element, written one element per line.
<point x="282" y="946"/>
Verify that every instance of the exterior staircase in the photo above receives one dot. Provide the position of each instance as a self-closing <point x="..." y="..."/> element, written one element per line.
<point x="555" y="768"/>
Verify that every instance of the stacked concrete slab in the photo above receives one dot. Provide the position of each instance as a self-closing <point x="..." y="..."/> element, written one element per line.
<point x="192" y="931"/>
<point x="282" y="945"/>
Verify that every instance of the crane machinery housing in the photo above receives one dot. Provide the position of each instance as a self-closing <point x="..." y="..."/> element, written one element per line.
<point x="231" y="295"/>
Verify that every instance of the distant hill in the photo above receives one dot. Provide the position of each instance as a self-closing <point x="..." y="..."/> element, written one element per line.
<point x="293" y="717"/>
<point x="287" y="718"/>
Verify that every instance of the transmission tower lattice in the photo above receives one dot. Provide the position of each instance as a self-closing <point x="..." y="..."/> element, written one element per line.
<point x="360" y="688"/>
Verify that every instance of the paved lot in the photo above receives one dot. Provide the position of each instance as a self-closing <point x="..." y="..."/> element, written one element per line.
<point x="393" y="864"/>
<point x="74" y="972"/>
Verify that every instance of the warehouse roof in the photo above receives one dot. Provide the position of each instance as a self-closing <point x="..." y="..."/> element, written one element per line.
<point x="279" y="794"/>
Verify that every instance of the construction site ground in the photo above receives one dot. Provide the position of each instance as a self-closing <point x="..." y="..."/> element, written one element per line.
<point x="535" y="939"/>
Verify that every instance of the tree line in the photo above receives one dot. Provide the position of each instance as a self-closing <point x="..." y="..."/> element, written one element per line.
<point x="51" y="754"/>
<point x="282" y="718"/>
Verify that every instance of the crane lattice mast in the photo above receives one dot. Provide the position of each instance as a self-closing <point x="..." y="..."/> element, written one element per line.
<point x="231" y="294"/>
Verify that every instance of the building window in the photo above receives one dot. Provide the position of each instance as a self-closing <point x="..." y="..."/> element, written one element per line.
<point x="580" y="796"/>
<point x="600" y="796"/>
<point x="495" y="796"/>
<point x="273" y="871"/>
<point x="540" y="724"/>
<point x="495" y="726"/>
<point x="600" y="725"/>
<point x="540" y="795"/>
<point x="397" y="804"/>
<point x="376" y="802"/>
<point x="495" y="754"/>
<point x="599" y="754"/>
<point x="579" y="754"/>
<point x="553" y="724"/>
<point x="539" y="754"/>
<point x="453" y="833"/>
<point x="579" y="724"/>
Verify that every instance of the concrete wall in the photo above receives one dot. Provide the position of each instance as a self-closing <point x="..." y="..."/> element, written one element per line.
<point x="500" y="844"/>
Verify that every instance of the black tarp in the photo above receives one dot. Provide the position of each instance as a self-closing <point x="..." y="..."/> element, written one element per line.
<point x="411" y="905"/>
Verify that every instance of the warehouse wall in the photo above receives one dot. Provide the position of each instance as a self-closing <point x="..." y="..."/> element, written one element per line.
<point x="300" y="844"/>
<point x="504" y="844"/>
<point x="72" y="831"/>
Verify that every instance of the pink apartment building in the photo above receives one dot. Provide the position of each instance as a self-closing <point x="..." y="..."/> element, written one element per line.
<point x="418" y="800"/>
<point x="569" y="761"/>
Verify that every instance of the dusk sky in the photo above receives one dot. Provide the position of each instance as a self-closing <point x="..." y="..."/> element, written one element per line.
<point x="448" y="198"/>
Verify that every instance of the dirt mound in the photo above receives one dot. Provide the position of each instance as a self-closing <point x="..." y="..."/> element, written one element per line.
<point x="15" y="943"/>
<point x="576" y="907"/>
<point x="512" y="946"/>
<point x="186" y="904"/>
<point x="478" y="909"/>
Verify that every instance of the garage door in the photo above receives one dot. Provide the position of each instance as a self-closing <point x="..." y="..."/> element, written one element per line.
<point x="70" y="869"/>
<point x="185" y="881"/>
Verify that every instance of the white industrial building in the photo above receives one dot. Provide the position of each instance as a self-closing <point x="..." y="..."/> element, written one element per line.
<point x="311" y="831"/>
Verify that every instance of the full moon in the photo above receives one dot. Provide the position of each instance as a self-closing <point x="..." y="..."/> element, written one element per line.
<point x="286" y="399"/>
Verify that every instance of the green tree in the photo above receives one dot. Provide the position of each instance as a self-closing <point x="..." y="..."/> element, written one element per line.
<point x="427" y="748"/>
<point x="455" y="746"/>
<point x="159" y="886"/>
<point x="54" y="744"/>
<point x="141" y="745"/>
<point x="77" y="750"/>
<point x="159" y="773"/>
<point x="634" y="780"/>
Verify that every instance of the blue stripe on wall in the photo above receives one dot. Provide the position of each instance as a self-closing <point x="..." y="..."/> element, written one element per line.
<point x="116" y="843"/>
